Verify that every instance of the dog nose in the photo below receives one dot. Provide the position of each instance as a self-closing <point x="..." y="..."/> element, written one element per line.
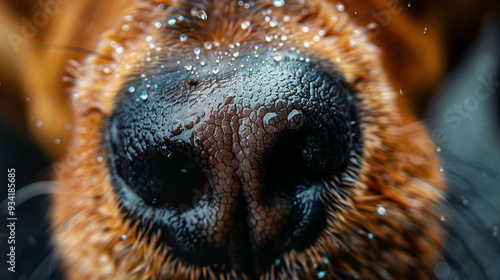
<point x="232" y="164"/>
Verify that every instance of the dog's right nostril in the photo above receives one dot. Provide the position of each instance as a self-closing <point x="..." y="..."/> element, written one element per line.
<point x="286" y="167"/>
<point x="314" y="151"/>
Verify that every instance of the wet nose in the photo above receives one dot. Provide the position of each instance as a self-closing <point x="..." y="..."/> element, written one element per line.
<point x="232" y="165"/>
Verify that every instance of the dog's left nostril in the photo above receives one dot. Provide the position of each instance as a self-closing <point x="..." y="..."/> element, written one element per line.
<point x="161" y="176"/>
<point x="166" y="180"/>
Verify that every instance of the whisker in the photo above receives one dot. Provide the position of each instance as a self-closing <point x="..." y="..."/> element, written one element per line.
<point x="458" y="260"/>
<point x="46" y="268"/>
<point x="29" y="191"/>
<point x="471" y="163"/>
<point x="470" y="187"/>
<point x="469" y="229"/>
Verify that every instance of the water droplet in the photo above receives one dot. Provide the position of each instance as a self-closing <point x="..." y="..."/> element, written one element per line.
<point x="236" y="54"/>
<point x="277" y="261"/>
<point x="443" y="218"/>
<point x="99" y="158"/>
<point x="340" y="7"/>
<point x="87" y="228"/>
<point x="381" y="210"/>
<point x="144" y="96"/>
<point x="278" y="3"/>
<point x="123" y="237"/>
<point x="305" y="28"/>
<point x="277" y="58"/>
<point x="215" y="70"/>
<point x="171" y="21"/>
<point x="273" y="23"/>
<point x="409" y="4"/>
<point x="321" y="274"/>
<point x="371" y="26"/>
<point x="207" y="45"/>
<point x="197" y="50"/>
<point x="158" y="24"/>
<point x="441" y="169"/>
<point x="183" y="37"/>
<point x="188" y="67"/>
<point x="442" y="270"/>
<point x="131" y="89"/>
<point x="270" y="122"/>
<point x="202" y="15"/>
<point x="57" y="141"/>
<point x="245" y="24"/>
<point x="307" y="44"/>
<point x="268" y="38"/>
<point x="438" y="149"/>
<point x="425" y="30"/>
<point x="149" y="38"/>
<point x="168" y="153"/>
<point x="38" y="124"/>
<point x="465" y="201"/>
<point x="401" y="92"/>
<point x="295" y="120"/>
<point x="370" y="235"/>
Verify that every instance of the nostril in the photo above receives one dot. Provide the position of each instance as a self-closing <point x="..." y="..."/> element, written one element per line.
<point x="285" y="166"/>
<point x="170" y="179"/>
<point x="297" y="158"/>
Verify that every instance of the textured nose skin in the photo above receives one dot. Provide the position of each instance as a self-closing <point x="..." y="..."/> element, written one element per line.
<point x="250" y="155"/>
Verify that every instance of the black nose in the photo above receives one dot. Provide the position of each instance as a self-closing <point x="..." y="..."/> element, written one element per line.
<point x="232" y="164"/>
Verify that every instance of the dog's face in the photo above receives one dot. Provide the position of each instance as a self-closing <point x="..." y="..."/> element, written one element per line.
<point x="233" y="139"/>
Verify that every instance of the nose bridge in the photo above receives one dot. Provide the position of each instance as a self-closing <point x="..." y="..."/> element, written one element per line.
<point x="259" y="131"/>
<point x="239" y="130"/>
